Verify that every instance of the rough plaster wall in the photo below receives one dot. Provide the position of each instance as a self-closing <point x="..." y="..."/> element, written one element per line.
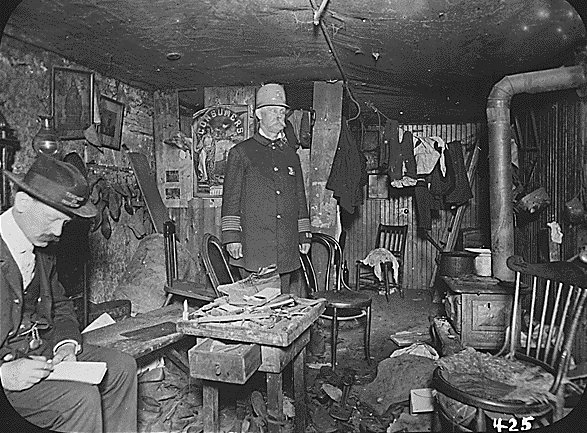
<point x="25" y="83"/>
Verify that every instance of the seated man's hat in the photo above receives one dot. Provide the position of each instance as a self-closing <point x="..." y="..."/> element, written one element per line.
<point x="57" y="184"/>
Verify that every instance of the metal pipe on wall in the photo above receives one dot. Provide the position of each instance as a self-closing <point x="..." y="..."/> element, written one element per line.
<point x="500" y="162"/>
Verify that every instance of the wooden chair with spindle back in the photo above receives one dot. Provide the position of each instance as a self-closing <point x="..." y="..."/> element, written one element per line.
<point x="392" y="238"/>
<point x="524" y="380"/>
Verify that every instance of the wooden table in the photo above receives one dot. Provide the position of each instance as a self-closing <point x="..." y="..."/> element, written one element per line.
<point x="142" y="335"/>
<point x="280" y="345"/>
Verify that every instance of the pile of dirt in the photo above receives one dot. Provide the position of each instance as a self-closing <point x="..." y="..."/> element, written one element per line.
<point x="395" y="378"/>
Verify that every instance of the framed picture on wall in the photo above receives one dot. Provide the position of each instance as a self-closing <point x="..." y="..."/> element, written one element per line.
<point x="71" y="101"/>
<point x="378" y="187"/>
<point x="111" y="117"/>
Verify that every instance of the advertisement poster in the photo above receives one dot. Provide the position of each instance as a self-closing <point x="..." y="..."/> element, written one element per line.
<point x="215" y="130"/>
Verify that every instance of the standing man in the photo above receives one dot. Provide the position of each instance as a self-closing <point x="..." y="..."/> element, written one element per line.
<point x="38" y="325"/>
<point x="264" y="210"/>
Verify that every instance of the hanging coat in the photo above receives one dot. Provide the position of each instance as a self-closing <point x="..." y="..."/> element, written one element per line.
<point x="461" y="192"/>
<point x="348" y="174"/>
<point x="392" y="158"/>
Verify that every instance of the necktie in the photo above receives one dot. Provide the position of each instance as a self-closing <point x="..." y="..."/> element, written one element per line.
<point x="28" y="267"/>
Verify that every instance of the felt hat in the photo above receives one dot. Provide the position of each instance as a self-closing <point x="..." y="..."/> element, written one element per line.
<point x="57" y="184"/>
<point x="271" y="94"/>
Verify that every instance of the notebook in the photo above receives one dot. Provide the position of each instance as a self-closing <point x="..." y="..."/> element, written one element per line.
<point x="79" y="371"/>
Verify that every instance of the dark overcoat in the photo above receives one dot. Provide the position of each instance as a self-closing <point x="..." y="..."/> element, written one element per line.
<point x="264" y="204"/>
<point x="53" y="308"/>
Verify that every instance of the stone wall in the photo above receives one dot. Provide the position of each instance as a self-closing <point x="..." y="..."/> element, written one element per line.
<point x="25" y="93"/>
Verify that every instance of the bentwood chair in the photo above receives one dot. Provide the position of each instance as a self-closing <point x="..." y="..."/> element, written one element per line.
<point x="393" y="239"/>
<point x="216" y="262"/>
<point x="525" y="381"/>
<point x="180" y="287"/>
<point x="342" y="303"/>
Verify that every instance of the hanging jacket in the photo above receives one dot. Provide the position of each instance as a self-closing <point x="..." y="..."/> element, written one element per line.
<point x="407" y="150"/>
<point x="348" y="174"/>
<point x="392" y="158"/>
<point x="461" y="192"/>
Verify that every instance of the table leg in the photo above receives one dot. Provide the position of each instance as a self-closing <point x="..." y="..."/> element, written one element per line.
<point x="275" y="400"/>
<point x="210" y="406"/>
<point x="299" y="377"/>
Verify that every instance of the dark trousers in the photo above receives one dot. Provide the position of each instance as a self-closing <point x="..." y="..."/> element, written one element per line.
<point x="285" y="283"/>
<point x="65" y="406"/>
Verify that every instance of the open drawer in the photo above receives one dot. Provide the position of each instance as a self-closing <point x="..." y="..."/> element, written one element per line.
<point x="224" y="362"/>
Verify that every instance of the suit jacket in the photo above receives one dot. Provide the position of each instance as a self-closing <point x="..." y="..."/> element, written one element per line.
<point x="264" y="204"/>
<point x="54" y="308"/>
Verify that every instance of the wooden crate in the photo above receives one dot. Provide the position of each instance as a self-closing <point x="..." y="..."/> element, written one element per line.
<point x="224" y="362"/>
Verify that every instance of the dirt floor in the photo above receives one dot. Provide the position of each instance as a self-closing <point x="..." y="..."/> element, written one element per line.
<point x="410" y="315"/>
<point x="171" y="401"/>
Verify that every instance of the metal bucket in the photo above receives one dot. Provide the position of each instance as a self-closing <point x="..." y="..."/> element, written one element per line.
<point x="456" y="263"/>
<point x="482" y="261"/>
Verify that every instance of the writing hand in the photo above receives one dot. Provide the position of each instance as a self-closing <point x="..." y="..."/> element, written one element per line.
<point x="235" y="249"/>
<point x="23" y="373"/>
<point x="66" y="352"/>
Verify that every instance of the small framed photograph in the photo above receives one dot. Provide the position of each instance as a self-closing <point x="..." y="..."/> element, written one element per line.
<point x="378" y="187"/>
<point x="172" y="176"/>
<point x="71" y="101"/>
<point x="111" y="117"/>
<point x="372" y="160"/>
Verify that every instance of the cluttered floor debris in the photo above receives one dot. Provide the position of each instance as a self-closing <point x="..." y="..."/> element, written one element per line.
<point x="356" y="397"/>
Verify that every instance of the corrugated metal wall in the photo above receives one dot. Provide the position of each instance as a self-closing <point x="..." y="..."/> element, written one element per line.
<point x="558" y="155"/>
<point x="559" y="152"/>
<point x="399" y="209"/>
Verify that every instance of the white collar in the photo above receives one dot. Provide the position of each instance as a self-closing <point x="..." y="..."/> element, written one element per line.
<point x="13" y="235"/>
<point x="281" y="134"/>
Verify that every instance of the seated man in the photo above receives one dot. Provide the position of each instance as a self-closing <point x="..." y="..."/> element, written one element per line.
<point x="38" y="326"/>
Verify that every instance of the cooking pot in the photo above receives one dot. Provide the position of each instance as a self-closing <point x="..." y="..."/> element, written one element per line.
<point x="456" y="263"/>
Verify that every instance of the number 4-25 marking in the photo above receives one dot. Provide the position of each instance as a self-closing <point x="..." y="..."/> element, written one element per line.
<point x="499" y="424"/>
